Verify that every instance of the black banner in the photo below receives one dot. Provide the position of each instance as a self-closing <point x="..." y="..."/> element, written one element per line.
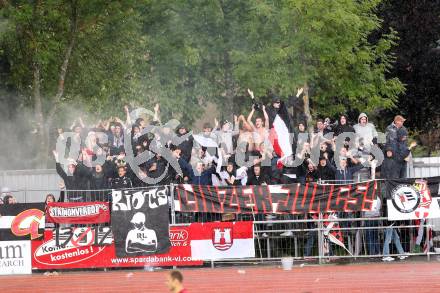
<point x="432" y="183"/>
<point x="140" y="221"/>
<point x="285" y="199"/>
<point x="21" y="221"/>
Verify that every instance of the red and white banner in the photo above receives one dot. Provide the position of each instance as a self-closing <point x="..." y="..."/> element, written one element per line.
<point x="46" y="255"/>
<point x="412" y="202"/>
<point x="78" y="212"/>
<point x="190" y="245"/>
<point x="222" y="240"/>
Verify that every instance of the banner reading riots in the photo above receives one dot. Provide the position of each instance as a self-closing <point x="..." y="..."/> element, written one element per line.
<point x="140" y="221"/>
<point x="284" y="199"/>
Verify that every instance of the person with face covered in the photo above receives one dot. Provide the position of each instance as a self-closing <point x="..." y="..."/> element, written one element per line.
<point x="390" y="167"/>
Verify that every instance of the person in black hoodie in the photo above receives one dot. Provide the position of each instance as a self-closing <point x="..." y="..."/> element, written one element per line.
<point x="186" y="145"/>
<point x="324" y="172"/>
<point x="99" y="178"/>
<point x="390" y="167"/>
<point x="257" y="177"/>
<point x="122" y="180"/>
<point x="75" y="179"/>
<point x="278" y="107"/>
<point x="342" y="126"/>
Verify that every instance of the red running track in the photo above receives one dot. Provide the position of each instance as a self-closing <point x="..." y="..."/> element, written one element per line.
<point x="375" y="277"/>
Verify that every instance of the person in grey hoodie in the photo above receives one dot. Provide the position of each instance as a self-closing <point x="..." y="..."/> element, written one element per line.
<point x="366" y="134"/>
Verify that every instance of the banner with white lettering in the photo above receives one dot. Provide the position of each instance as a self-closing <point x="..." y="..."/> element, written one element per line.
<point x="47" y="255"/>
<point x="78" y="212"/>
<point x="140" y="221"/>
<point x="15" y="257"/>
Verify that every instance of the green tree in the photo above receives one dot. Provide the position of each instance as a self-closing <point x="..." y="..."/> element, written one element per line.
<point x="72" y="51"/>
<point x="323" y="46"/>
<point x="191" y="52"/>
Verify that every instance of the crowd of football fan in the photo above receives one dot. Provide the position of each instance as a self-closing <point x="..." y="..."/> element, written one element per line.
<point x="238" y="152"/>
<point x="245" y="154"/>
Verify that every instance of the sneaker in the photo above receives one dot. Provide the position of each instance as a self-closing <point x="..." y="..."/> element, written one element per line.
<point x="387" y="258"/>
<point x="287" y="234"/>
<point x="403" y="256"/>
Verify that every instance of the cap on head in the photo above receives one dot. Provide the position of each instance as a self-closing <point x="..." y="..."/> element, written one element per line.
<point x="399" y="118"/>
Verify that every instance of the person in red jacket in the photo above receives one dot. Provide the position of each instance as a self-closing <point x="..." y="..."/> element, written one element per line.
<point x="174" y="282"/>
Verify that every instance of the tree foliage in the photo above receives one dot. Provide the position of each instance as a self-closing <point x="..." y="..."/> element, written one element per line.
<point x="105" y="54"/>
<point x="417" y="64"/>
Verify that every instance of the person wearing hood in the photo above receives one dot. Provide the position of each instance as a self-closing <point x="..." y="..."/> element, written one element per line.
<point x="278" y="107"/>
<point x="185" y="145"/>
<point x="324" y="171"/>
<point x="257" y="176"/>
<point x="389" y="168"/>
<point x="366" y="133"/>
<point x="342" y="126"/>
<point x="231" y="176"/>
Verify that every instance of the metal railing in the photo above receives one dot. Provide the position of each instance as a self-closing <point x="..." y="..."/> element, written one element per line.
<point x="308" y="239"/>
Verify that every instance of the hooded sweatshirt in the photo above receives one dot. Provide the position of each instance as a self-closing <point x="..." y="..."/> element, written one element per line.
<point x="341" y="128"/>
<point x="367" y="132"/>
